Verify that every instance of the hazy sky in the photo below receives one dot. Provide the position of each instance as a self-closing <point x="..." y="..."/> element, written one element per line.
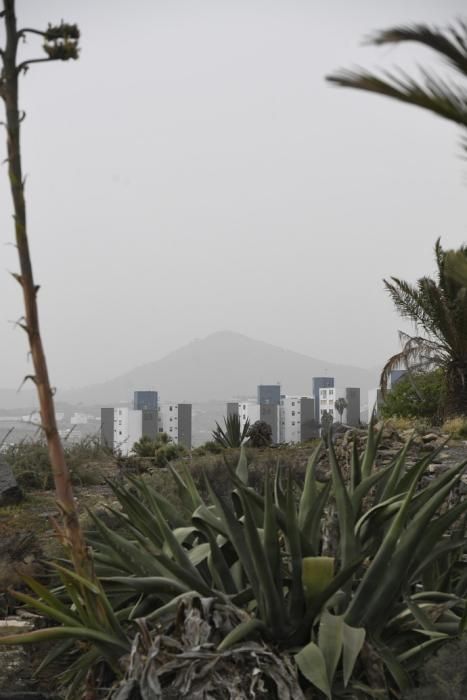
<point x="193" y="172"/>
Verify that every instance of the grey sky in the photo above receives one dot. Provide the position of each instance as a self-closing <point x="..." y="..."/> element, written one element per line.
<point x="193" y="172"/>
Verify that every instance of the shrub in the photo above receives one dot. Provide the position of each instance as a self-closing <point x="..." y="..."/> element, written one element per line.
<point x="456" y="427"/>
<point x="416" y="396"/>
<point x="31" y="465"/>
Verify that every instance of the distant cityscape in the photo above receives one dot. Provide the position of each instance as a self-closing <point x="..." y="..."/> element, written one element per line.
<point x="292" y="418"/>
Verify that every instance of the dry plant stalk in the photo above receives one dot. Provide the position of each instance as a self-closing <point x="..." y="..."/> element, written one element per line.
<point x="60" y="43"/>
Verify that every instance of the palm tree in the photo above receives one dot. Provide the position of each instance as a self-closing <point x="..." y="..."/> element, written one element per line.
<point x="232" y="435"/>
<point x="446" y="98"/>
<point x="340" y="405"/>
<point x="438" y="309"/>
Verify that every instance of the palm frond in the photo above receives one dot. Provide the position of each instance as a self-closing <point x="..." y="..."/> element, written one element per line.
<point x="450" y="43"/>
<point x="433" y="93"/>
<point x="417" y="354"/>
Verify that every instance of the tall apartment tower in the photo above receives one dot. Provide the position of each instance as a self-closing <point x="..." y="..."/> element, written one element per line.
<point x="352" y="412"/>
<point x="317" y="384"/>
<point x="269" y="401"/>
<point x="107" y="428"/>
<point x="269" y="394"/>
<point x="175" y="420"/>
<point x="297" y="419"/>
<point x="145" y="400"/>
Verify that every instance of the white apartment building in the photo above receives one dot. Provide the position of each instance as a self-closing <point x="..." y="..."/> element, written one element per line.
<point x="248" y="410"/>
<point x="168" y="420"/>
<point x="297" y="421"/>
<point x="175" y="420"/>
<point x="127" y="429"/>
<point x="327" y="399"/>
<point x="290" y="419"/>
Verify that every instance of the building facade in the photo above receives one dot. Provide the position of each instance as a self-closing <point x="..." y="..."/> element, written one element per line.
<point x="327" y="399"/>
<point x="174" y="419"/>
<point x="269" y="394"/>
<point x="352" y="412"/>
<point x="317" y="384"/>
<point x="122" y="427"/>
<point x="145" y="400"/>
<point x="297" y="419"/>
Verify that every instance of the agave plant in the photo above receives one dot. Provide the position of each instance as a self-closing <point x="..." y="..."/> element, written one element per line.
<point x="232" y="435"/>
<point x="394" y="591"/>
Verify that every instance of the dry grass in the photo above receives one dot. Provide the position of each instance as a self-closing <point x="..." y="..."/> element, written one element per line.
<point x="456" y="427"/>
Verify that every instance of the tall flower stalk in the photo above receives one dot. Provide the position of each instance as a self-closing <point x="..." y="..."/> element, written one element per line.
<point x="60" y="43"/>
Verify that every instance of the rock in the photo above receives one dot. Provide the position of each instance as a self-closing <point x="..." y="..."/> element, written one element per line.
<point x="10" y="492"/>
<point x="430" y="437"/>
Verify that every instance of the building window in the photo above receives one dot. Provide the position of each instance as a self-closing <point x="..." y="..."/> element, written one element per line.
<point x="293" y="403"/>
<point x="293" y="412"/>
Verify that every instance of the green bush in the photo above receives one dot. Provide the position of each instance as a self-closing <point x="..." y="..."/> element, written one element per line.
<point x="417" y="396"/>
<point x="31" y="465"/>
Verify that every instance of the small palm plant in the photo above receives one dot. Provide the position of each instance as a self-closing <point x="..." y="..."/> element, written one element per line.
<point x="233" y="434"/>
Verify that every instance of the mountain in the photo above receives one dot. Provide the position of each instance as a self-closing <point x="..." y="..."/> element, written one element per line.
<point x="222" y="366"/>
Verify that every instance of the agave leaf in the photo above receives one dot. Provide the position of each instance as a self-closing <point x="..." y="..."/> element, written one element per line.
<point x="236" y="535"/>
<point x="47" y="596"/>
<point x="418" y="650"/>
<point x="205" y="516"/>
<point x="199" y="553"/>
<point x="310" y="538"/>
<point x="218" y="565"/>
<point x="159" y="504"/>
<point x="436" y="552"/>
<point x="409" y="542"/>
<point x="353" y="639"/>
<point x="395" y="668"/>
<point x="366" y="485"/>
<point x="296" y="594"/>
<point x="242" y="631"/>
<point x="330" y="641"/>
<point x="182" y="489"/>
<point x="349" y="545"/>
<point x="242" y="466"/>
<point x="196" y="498"/>
<point x="49" y="610"/>
<point x="312" y="665"/>
<point x="279" y="493"/>
<point x="81" y="580"/>
<point x="463" y="621"/>
<point x="372" y="520"/>
<point x="397" y="469"/>
<point x="369" y="587"/>
<point x="273" y="600"/>
<point x="111" y="643"/>
<point x="310" y="491"/>
<point x="355" y="466"/>
<point x="178" y="552"/>
<point x="270" y="529"/>
<point x="371" y="448"/>
<point x="149" y="584"/>
<point x="132" y="558"/>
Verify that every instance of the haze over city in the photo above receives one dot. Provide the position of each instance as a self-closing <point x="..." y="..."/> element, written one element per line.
<point x="194" y="173"/>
